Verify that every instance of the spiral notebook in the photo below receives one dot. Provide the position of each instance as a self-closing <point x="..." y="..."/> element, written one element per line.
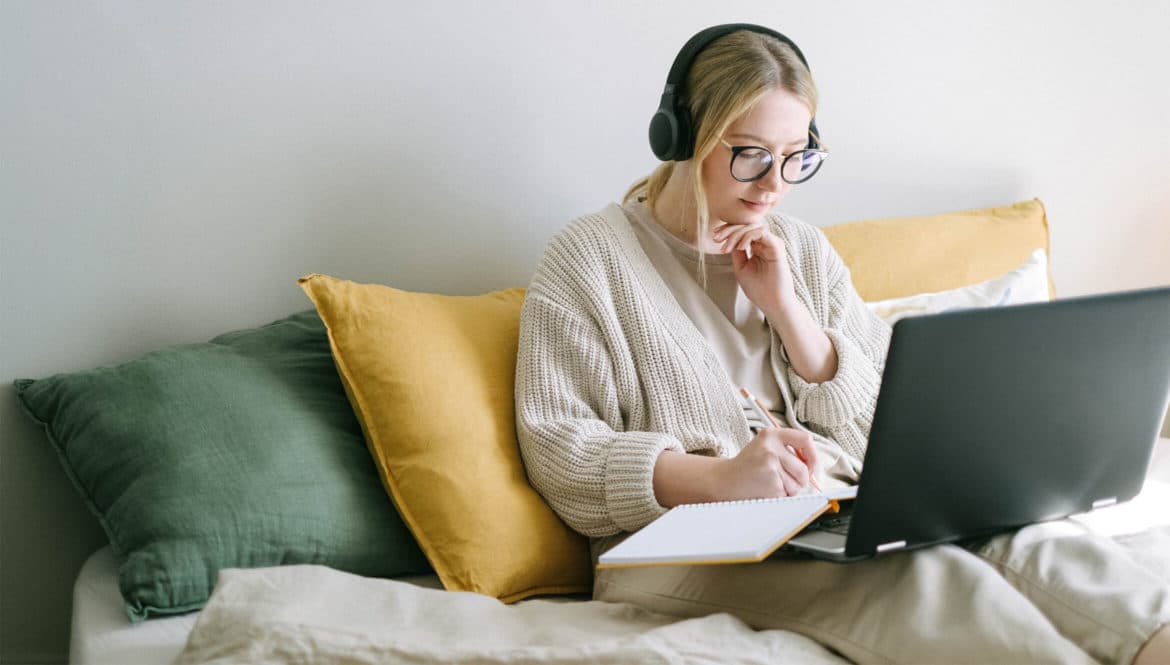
<point x="721" y="532"/>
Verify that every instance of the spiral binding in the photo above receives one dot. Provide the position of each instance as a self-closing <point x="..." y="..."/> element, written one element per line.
<point x="775" y="499"/>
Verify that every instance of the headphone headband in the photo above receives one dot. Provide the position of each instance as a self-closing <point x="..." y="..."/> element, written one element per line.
<point x="701" y="39"/>
<point x="672" y="133"/>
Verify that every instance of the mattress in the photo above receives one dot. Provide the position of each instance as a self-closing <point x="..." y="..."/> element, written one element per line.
<point x="102" y="633"/>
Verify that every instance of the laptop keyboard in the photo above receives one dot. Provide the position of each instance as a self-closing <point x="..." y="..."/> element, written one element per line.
<point x="834" y="524"/>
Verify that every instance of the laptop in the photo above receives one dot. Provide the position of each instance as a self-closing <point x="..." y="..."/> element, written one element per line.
<point x="990" y="419"/>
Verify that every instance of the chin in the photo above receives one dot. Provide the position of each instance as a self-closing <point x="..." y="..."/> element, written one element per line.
<point x="743" y="216"/>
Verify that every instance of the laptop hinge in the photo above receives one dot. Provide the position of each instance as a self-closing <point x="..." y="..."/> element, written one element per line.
<point x="893" y="545"/>
<point x="1101" y="503"/>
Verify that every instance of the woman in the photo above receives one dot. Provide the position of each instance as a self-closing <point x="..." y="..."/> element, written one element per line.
<point x="643" y="320"/>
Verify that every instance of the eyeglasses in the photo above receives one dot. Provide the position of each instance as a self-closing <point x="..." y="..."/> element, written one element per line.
<point x="752" y="162"/>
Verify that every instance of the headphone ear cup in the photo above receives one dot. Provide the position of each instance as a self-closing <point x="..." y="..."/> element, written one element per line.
<point x="686" y="135"/>
<point x="671" y="137"/>
<point x="664" y="134"/>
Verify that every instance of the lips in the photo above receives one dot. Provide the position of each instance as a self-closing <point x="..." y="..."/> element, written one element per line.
<point x="756" y="205"/>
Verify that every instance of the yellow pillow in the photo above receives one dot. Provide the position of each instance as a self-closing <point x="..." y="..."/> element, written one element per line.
<point x="431" y="378"/>
<point x="898" y="257"/>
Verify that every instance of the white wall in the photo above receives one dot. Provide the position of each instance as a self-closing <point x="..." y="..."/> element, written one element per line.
<point x="169" y="169"/>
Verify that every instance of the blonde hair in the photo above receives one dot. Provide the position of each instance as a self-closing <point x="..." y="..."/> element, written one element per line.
<point x="727" y="77"/>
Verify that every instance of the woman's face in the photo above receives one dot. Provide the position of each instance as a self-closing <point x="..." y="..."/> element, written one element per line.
<point x="778" y="121"/>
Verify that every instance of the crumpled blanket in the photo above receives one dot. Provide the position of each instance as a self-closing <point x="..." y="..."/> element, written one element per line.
<point x="315" y="614"/>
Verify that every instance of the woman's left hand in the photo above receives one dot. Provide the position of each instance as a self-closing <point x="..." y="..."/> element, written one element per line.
<point x="765" y="278"/>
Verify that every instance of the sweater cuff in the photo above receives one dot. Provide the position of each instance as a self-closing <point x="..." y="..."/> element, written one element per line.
<point x="850" y="393"/>
<point x="629" y="478"/>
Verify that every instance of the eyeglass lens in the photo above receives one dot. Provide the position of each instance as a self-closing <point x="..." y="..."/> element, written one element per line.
<point x="752" y="163"/>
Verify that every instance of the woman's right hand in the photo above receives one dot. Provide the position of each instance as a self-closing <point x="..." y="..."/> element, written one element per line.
<point x="767" y="466"/>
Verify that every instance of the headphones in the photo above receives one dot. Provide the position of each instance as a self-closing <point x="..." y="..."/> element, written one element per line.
<point x="672" y="134"/>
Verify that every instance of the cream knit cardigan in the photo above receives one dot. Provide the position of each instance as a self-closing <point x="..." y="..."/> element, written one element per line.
<point x="611" y="371"/>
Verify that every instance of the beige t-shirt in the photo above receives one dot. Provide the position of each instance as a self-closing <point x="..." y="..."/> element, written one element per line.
<point x="734" y="327"/>
<point x="732" y="324"/>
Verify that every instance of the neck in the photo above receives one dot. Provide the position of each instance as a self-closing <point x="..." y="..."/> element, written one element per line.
<point x="674" y="210"/>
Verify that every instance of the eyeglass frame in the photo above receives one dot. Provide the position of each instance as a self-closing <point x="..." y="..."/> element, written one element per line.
<point x="736" y="149"/>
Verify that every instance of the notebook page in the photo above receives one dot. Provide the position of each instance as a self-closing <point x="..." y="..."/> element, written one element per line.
<point x="849" y="492"/>
<point x="722" y="532"/>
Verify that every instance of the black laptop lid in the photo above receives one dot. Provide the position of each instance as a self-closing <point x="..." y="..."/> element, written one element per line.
<point x="994" y="418"/>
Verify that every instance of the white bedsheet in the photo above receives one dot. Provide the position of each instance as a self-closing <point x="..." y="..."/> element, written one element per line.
<point x="103" y="634"/>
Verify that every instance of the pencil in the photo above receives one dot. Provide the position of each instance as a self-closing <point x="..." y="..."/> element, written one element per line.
<point x="768" y="417"/>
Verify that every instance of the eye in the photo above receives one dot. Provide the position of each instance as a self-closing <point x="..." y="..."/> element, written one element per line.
<point x="755" y="154"/>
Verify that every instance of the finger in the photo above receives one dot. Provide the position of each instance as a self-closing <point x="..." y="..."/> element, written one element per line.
<point x="792" y="486"/>
<point x="739" y="229"/>
<point x="746" y="238"/>
<point x="759" y="247"/>
<point x="728" y="237"/>
<point x="723" y="240"/>
<point x="803" y="444"/>
<point x="766" y="245"/>
<point x="736" y="234"/>
<point x="723" y="229"/>
<point x="809" y="451"/>
<point x="744" y="246"/>
<point x="738" y="261"/>
<point x="765" y="238"/>
<point x="795" y="468"/>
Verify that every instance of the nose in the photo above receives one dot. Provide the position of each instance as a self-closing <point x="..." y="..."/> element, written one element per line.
<point x="772" y="182"/>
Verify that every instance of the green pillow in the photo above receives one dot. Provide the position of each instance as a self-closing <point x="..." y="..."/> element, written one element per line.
<point x="240" y="452"/>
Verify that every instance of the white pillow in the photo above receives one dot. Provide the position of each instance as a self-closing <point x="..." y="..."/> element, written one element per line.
<point x="1027" y="283"/>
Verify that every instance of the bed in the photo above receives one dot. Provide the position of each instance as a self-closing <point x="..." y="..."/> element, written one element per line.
<point x="264" y="603"/>
<point x="283" y="493"/>
<point x="298" y="614"/>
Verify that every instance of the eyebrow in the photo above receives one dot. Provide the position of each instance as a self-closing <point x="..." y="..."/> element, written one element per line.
<point x="800" y="141"/>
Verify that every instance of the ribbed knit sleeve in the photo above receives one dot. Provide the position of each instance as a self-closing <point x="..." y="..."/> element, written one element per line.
<point x="569" y="422"/>
<point x="842" y="407"/>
